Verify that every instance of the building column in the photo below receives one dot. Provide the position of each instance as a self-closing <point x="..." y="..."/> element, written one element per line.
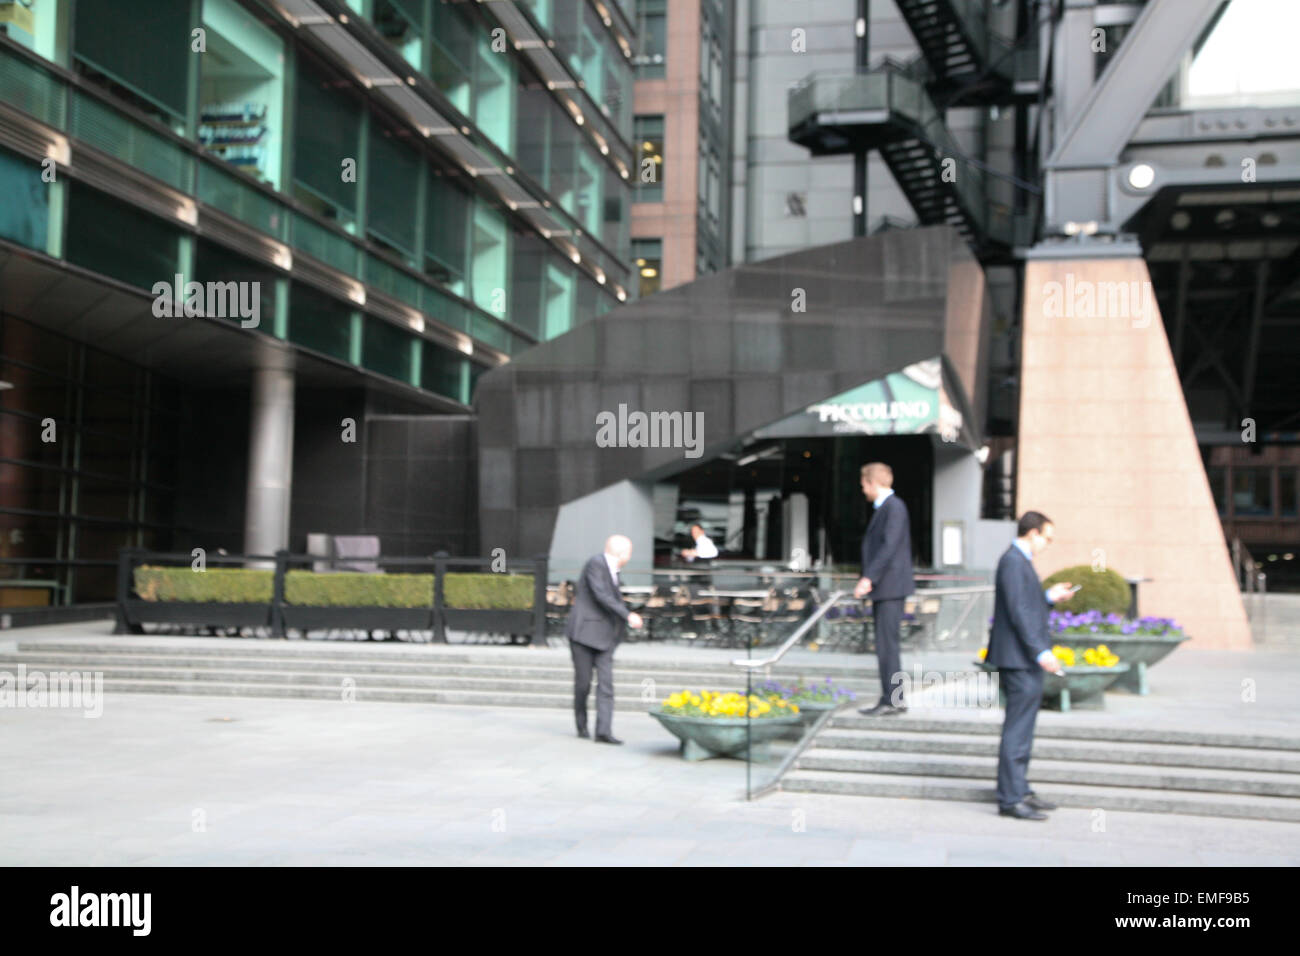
<point x="270" y="461"/>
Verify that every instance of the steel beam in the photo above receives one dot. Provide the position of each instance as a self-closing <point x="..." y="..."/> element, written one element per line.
<point x="1120" y="98"/>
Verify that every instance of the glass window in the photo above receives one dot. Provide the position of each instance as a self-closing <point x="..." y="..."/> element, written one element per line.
<point x="451" y="54"/>
<point x="446" y="232"/>
<point x="652" y="38"/>
<point x="318" y="322"/>
<point x="491" y="258"/>
<point x="25" y="213"/>
<point x="392" y="181"/>
<point x="527" y="279"/>
<point x="648" y="256"/>
<point x="401" y="23"/>
<point x="536" y="119"/>
<point x="442" y="371"/>
<point x="1252" y="491"/>
<point x="494" y="95"/>
<point x="254" y="294"/>
<point x="649" y="134"/>
<point x="386" y="349"/>
<point x="558" y="300"/>
<point x="139" y="50"/>
<point x="327" y="131"/>
<point x="541" y="10"/>
<point x="111" y="237"/>
<point x="587" y="200"/>
<point x="241" y="91"/>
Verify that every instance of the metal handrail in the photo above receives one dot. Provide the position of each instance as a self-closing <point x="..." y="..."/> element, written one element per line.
<point x="794" y="638"/>
<point x="830" y="602"/>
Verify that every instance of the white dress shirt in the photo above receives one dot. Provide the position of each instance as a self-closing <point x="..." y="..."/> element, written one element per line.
<point x="612" y="563"/>
<point x="705" y="548"/>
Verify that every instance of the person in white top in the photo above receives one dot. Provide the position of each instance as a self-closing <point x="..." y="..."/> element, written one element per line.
<point x="704" y="547"/>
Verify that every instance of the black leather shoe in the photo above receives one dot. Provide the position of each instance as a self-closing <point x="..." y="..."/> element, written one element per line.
<point x="882" y="710"/>
<point x="1035" y="802"/>
<point x="583" y="734"/>
<point x="607" y="739"/>
<point x="1021" y="811"/>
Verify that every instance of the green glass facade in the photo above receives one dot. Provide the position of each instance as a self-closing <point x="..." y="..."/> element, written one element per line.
<point x="254" y="120"/>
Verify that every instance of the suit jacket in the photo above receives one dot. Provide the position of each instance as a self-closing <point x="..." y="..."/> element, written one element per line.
<point x="1020" y="614"/>
<point x="887" y="551"/>
<point x="598" y="618"/>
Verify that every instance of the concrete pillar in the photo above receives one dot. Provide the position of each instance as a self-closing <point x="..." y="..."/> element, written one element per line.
<point x="270" y="461"/>
<point x="1107" y="449"/>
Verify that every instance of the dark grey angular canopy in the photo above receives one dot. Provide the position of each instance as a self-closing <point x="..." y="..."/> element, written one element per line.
<point x="734" y="346"/>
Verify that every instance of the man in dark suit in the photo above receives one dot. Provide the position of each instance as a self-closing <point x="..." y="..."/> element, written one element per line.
<point x="596" y="624"/>
<point x="1019" y="647"/>
<point x="887" y="577"/>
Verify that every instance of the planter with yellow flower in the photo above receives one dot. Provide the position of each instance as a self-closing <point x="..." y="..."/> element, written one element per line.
<point x="1142" y="642"/>
<point x="1086" y="674"/>
<point x="712" y="723"/>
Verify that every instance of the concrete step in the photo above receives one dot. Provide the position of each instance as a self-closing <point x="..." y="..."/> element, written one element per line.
<point x="689" y="662"/>
<point x="1062" y="726"/>
<point x="557" y="683"/>
<point x="1259" y="783"/>
<point x="555" y="671"/>
<point x="371" y="694"/>
<point x="1076" y="795"/>
<point x="1089" y="750"/>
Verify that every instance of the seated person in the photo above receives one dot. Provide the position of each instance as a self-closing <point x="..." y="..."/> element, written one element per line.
<point x="704" y="549"/>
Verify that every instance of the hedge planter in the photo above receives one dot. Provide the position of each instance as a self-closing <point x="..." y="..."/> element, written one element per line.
<point x="285" y="597"/>
<point x="199" y="613"/>
<point x="1081" y="687"/>
<point x="705" y="737"/>
<point x="500" y="622"/>
<point x="1141" y="651"/>
<point x="358" y="618"/>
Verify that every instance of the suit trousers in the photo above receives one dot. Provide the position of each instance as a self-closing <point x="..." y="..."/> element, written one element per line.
<point x="1024" y="693"/>
<point x="888" y="615"/>
<point x="584" y="660"/>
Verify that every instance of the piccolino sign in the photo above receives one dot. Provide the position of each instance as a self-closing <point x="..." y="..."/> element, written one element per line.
<point x="850" y="412"/>
<point x="912" y="401"/>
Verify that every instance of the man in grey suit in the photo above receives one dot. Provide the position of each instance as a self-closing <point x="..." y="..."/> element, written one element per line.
<point x="1019" y="647"/>
<point x="887" y="577"/>
<point x="596" y="624"/>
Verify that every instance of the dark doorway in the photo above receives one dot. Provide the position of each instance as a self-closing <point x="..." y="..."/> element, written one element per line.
<point x="740" y="499"/>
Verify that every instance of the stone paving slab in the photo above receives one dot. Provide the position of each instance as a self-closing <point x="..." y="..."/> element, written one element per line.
<point x="330" y="783"/>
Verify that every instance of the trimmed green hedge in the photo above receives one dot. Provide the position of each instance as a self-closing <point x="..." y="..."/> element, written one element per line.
<point x="501" y="592"/>
<point x="511" y="592"/>
<point x="215" y="585"/>
<point x="357" y="589"/>
<point x="1104" y="591"/>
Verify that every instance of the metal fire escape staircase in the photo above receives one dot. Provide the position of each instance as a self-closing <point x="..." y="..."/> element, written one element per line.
<point x="898" y="108"/>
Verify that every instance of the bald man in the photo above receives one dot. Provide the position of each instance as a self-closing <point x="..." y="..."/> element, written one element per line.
<point x="596" y="624"/>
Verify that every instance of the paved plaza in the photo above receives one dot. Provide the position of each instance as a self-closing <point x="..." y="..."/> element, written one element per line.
<point x="162" y="780"/>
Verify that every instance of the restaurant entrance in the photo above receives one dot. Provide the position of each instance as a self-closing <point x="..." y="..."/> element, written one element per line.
<point x="794" y="500"/>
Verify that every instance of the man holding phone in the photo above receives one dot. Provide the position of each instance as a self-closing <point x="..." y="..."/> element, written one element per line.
<point x="1019" y="647"/>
